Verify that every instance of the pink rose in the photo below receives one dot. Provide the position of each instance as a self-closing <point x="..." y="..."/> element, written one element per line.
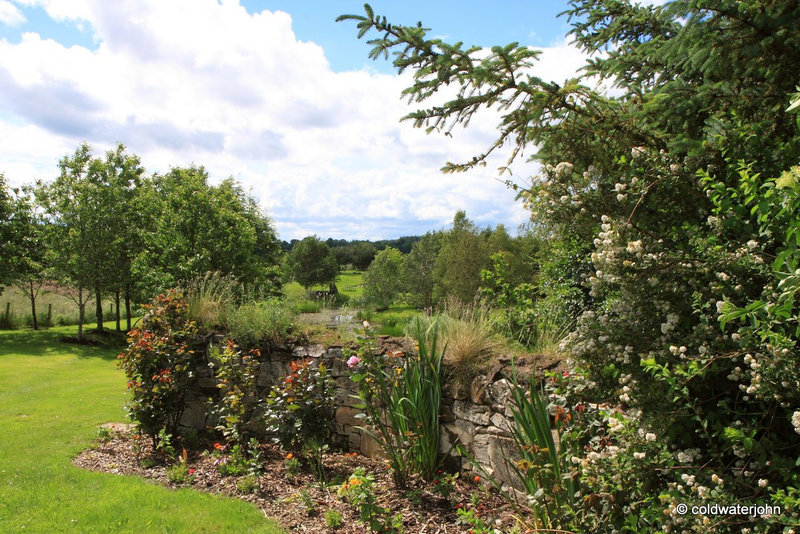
<point x="353" y="361"/>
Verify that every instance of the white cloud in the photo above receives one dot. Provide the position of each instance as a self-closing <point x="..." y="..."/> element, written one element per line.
<point x="9" y="14"/>
<point x="199" y="81"/>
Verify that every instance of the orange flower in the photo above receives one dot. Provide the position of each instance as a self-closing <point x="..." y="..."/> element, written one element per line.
<point x="136" y="436"/>
<point x="289" y="456"/>
<point x="219" y="446"/>
<point x="476" y="479"/>
<point x="354" y="455"/>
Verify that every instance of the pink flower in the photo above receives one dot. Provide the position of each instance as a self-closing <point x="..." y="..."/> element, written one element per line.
<point x="353" y="361"/>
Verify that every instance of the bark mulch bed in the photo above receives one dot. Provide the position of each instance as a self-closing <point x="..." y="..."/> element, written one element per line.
<point x="299" y="502"/>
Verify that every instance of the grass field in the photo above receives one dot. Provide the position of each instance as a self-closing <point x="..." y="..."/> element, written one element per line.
<point x="348" y="283"/>
<point x="52" y="398"/>
<point x="63" y="310"/>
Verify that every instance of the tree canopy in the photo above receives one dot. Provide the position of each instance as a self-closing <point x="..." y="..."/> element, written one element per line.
<point x="311" y="262"/>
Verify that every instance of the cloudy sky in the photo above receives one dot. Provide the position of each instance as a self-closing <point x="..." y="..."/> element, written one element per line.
<point x="273" y="93"/>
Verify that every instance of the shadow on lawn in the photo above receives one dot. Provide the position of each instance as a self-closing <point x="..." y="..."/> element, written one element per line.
<point x="57" y="341"/>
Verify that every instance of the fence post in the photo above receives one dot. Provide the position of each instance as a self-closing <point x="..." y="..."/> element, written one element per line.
<point x="8" y="311"/>
<point x="50" y="314"/>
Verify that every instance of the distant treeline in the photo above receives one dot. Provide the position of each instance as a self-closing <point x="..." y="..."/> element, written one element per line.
<point x="358" y="252"/>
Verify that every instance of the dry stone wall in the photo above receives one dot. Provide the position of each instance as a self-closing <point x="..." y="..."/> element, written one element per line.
<point x="475" y="416"/>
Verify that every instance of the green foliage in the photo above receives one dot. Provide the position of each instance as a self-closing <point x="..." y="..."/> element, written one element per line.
<point x="476" y="524"/>
<point x="333" y="518"/>
<point x="400" y="397"/>
<point x="358" y="254"/>
<point x="524" y="316"/>
<point x="237" y="374"/>
<point x="382" y="281"/>
<point x="292" y="466"/>
<point x="419" y="270"/>
<point x="179" y="473"/>
<point x="299" y="408"/>
<point x="161" y="363"/>
<point x="543" y="465"/>
<point x="193" y="228"/>
<point x="311" y="262"/>
<point x="8" y="234"/>
<point x="462" y="256"/>
<point x="256" y="323"/>
<point x="247" y="484"/>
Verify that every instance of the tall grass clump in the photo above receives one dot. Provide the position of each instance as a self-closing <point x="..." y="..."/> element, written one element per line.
<point x="543" y="465"/>
<point x="469" y="333"/>
<point x="210" y="297"/>
<point x="308" y="306"/>
<point x="252" y="324"/>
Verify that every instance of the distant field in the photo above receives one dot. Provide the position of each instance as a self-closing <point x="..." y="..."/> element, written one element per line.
<point x="63" y="312"/>
<point x="348" y="283"/>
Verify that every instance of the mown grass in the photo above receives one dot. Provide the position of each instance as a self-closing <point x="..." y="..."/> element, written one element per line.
<point x="52" y="398"/>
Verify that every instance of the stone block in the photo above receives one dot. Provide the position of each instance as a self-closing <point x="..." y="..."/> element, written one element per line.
<point x="354" y="441"/>
<point x="347" y="416"/>
<point x="502" y="423"/>
<point x="478" y="390"/>
<point x="311" y="351"/>
<point x="370" y="448"/>
<point x="454" y="390"/>
<point x="194" y="415"/>
<point x="473" y="413"/>
<point x="500" y="391"/>
<point x="446" y="414"/>
<point x="460" y="431"/>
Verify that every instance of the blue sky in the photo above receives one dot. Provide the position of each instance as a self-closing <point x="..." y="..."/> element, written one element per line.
<point x="288" y="103"/>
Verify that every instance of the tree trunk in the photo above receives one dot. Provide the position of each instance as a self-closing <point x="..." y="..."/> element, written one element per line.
<point x="32" y="295"/>
<point x="81" y="311"/>
<point x="128" y="307"/>
<point x="116" y="301"/>
<point x="98" y="308"/>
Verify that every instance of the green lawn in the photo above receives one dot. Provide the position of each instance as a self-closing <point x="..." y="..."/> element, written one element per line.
<point x="52" y="398"/>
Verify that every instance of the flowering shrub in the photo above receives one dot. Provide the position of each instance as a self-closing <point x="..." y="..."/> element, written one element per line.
<point x="299" y="408"/>
<point x="160" y="363"/>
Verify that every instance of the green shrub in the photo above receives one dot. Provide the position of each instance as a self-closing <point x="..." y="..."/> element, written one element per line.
<point x="179" y="473"/>
<point x="254" y="324"/>
<point x="247" y="484"/>
<point x="161" y="363"/>
<point x="237" y="373"/>
<point x="299" y="408"/>
<point x="333" y="518"/>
